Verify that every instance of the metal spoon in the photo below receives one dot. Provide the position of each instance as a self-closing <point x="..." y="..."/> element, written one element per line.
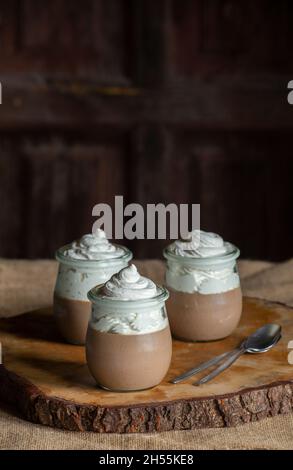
<point x="262" y="340"/>
<point x="221" y="357"/>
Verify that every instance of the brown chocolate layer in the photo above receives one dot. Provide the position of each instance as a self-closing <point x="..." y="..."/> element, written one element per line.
<point x="128" y="362"/>
<point x="72" y="317"/>
<point x="204" y="317"/>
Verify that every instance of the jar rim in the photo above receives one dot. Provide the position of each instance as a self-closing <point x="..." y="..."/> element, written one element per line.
<point x="92" y="263"/>
<point x="231" y="255"/>
<point x="94" y="297"/>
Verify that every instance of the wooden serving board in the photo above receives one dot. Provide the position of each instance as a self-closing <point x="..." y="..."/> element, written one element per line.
<point x="50" y="384"/>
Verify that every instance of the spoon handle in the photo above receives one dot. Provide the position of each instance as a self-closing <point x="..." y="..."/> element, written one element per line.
<point x="221" y="368"/>
<point x="203" y="366"/>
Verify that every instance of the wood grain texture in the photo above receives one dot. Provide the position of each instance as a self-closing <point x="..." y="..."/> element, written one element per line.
<point x="186" y="101"/>
<point x="49" y="382"/>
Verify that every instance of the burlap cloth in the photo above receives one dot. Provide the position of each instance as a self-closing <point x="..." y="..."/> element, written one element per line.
<point x="27" y="285"/>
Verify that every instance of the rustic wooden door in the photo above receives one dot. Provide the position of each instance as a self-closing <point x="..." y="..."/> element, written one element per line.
<point x="157" y="100"/>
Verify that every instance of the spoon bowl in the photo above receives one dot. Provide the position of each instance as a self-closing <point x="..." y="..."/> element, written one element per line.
<point x="259" y="351"/>
<point x="263" y="339"/>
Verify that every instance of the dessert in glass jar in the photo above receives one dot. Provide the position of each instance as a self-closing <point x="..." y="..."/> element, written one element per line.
<point x="128" y="344"/>
<point x="83" y="264"/>
<point x="205" y="301"/>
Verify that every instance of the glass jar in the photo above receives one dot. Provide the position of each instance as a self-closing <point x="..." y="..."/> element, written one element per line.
<point x="75" y="278"/>
<point x="128" y="344"/>
<point x="205" y="301"/>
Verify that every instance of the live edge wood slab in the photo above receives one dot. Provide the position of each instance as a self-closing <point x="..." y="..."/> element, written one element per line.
<point x="50" y="384"/>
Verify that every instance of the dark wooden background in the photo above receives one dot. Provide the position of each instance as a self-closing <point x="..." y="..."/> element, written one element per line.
<point x="179" y="101"/>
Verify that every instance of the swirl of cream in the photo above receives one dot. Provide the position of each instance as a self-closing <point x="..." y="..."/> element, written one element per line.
<point x="200" y="244"/>
<point x="128" y="284"/>
<point x="93" y="246"/>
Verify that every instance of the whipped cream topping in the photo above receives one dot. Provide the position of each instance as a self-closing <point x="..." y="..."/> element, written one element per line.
<point x="211" y="279"/>
<point x="200" y="244"/>
<point x="128" y="284"/>
<point x="203" y="281"/>
<point x="93" y="246"/>
<point x="132" y="322"/>
<point x="125" y="285"/>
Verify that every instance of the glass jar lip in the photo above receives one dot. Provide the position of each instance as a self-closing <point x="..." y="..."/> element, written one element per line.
<point x="94" y="297"/>
<point x="231" y="255"/>
<point x="92" y="263"/>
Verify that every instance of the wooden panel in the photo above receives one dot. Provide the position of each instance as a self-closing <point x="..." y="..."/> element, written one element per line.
<point x="224" y="26"/>
<point x="219" y="104"/>
<point x="163" y="173"/>
<point x="244" y="188"/>
<point x="233" y="191"/>
<point x="12" y="222"/>
<point x="8" y="29"/>
<point x="200" y="85"/>
<point x="152" y="149"/>
<point x="61" y="181"/>
<point x="222" y="36"/>
<point x="150" y="30"/>
<point x="61" y="38"/>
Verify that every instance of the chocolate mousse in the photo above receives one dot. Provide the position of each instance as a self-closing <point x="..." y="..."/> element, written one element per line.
<point x="83" y="264"/>
<point x="205" y="301"/>
<point x="128" y="345"/>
